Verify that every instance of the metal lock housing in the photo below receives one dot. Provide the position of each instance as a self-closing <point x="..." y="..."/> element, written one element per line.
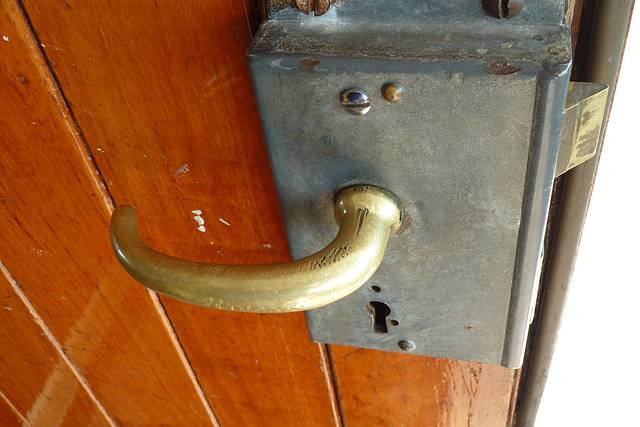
<point x="470" y="151"/>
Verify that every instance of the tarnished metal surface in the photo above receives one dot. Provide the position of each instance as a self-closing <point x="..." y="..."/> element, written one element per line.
<point x="583" y="118"/>
<point x="367" y="217"/>
<point x="392" y="12"/>
<point x="470" y="151"/>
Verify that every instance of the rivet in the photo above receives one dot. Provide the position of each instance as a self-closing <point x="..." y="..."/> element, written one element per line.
<point x="406" y="345"/>
<point x="355" y="101"/>
<point x="393" y="92"/>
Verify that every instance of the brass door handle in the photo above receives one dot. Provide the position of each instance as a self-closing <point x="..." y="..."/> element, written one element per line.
<point x="367" y="216"/>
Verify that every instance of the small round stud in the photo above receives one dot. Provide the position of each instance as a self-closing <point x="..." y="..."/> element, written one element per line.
<point x="406" y="345"/>
<point x="393" y="92"/>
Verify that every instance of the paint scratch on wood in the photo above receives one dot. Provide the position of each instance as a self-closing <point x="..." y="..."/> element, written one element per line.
<point x="213" y="79"/>
<point x="52" y="47"/>
<point x="136" y="373"/>
<point x="182" y="171"/>
<point x="199" y="220"/>
<point x="224" y="222"/>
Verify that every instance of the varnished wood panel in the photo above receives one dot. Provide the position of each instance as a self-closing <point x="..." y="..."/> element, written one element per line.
<point x="53" y="223"/>
<point x="389" y="389"/>
<point x="41" y="385"/>
<point x="8" y="414"/>
<point x="162" y="94"/>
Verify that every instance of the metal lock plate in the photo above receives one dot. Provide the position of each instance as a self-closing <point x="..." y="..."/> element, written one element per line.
<point x="470" y="150"/>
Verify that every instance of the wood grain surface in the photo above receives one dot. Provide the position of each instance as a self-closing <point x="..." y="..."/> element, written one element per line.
<point x="390" y="389"/>
<point x="55" y="243"/>
<point x="42" y="386"/>
<point x="162" y="94"/>
<point x="9" y="417"/>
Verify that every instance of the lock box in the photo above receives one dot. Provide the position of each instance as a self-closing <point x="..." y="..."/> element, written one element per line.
<point x="469" y="148"/>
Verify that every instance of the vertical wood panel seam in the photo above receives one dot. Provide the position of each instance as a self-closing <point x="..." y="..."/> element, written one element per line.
<point x="183" y="356"/>
<point x="22" y="23"/>
<point x="246" y="14"/>
<point x="332" y="383"/>
<point x="53" y="340"/>
<point x="14" y="409"/>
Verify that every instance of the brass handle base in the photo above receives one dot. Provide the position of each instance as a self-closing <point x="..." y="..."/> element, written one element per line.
<point x="367" y="216"/>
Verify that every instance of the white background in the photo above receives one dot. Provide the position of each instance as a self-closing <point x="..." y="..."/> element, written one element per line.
<point x="595" y="373"/>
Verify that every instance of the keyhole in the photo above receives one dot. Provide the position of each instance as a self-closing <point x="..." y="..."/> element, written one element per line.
<point x="379" y="312"/>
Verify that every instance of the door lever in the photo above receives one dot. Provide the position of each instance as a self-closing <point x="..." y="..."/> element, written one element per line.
<point x="367" y="217"/>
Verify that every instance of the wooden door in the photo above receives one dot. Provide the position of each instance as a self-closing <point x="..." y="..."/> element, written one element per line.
<point x="149" y="103"/>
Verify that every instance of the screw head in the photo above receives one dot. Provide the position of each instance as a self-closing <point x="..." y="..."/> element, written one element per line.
<point x="355" y="101"/>
<point x="406" y="345"/>
<point x="393" y="92"/>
